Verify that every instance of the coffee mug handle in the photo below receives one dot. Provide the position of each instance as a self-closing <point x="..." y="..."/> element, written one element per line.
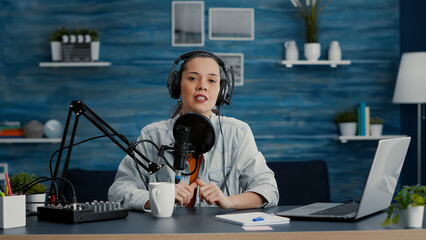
<point x="155" y="192"/>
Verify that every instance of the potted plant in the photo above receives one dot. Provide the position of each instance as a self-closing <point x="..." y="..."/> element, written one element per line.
<point x="411" y="201"/>
<point x="376" y="126"/>
<point x="310" y="11"/>
<point x="56" y="43"/>
<point x="95" y="44"/>
<point x="35" y="196"/>
<point x="347" y="122"/>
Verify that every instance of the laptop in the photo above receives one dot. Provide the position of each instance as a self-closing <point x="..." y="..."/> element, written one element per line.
<point x="378" y="190"/>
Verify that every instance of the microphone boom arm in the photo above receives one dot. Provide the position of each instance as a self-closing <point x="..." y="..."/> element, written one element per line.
<point x="80" y="109"/>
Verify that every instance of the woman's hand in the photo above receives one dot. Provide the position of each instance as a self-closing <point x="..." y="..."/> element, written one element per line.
<point x="212" y="194"/>
<point x="184" y="192"/>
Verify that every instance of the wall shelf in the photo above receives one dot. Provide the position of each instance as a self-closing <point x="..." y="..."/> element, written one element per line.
<point x="74" y="64"/>
<point x="332" y="64"/>
<point x="345" y="139"/>
<point x="30" y="140"/>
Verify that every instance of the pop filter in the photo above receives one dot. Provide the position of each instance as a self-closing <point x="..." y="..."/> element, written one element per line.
<point x="202" y="136"/>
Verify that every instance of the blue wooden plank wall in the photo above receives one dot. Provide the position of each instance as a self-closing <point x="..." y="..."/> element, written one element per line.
<point x="290" y="110"/>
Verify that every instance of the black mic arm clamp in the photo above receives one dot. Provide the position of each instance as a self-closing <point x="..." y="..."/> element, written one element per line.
<point x="164" y="148"/>
<point x="176" y="152"/>
<point x="181" y="153"/>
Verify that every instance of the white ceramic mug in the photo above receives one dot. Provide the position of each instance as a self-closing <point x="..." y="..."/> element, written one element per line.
<point x="162" y="198"/>
<point x="35" y="200"/>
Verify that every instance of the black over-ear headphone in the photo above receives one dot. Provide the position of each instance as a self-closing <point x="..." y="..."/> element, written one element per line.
<point x="226" y="86"/>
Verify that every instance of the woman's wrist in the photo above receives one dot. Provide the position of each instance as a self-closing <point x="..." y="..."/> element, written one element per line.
<point x="229" y="202"/>
<point x="245" y="200"/>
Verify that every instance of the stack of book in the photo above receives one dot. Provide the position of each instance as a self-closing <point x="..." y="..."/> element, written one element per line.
<point x="11" y="129"/>
<point x="363" y="112"/>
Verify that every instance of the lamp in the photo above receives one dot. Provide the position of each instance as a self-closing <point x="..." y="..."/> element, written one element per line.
<point x="410" y="88"/>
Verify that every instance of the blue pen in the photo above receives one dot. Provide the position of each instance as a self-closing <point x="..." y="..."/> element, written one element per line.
<point x="258" y="219"/>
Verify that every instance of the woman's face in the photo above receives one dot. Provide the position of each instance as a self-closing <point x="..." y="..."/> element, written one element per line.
<point x="200" y="84"/>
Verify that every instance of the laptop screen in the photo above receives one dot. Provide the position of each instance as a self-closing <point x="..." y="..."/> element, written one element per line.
<point x="383" y="176"/>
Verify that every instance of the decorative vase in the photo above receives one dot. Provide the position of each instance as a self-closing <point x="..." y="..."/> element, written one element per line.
<point x="33" y="129"/>
<point x="291" y="51"/>
<point x="56" y="50"/>
<point x="348" y="128"/>
<point x="94" y="49"/>
<point x="53" y="129"/>
<point x="376" y="130"/>
<point x="334" y="51"/>
<point x="312" y="51"/>
<point x="414" y="216"/>
<point x="35" y="200"/>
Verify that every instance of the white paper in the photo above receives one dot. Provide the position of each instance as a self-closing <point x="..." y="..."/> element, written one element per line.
<point x="246" y="219"/>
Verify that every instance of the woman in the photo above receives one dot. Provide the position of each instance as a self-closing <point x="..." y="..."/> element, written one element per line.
<point x="233" y="174"/>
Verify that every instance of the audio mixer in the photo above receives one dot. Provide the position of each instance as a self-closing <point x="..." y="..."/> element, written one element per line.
<point x="82" y="212"/>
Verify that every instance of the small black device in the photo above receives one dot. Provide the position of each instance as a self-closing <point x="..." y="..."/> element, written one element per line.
<point x="226" y="84"/>
<point x="82" y="212"/>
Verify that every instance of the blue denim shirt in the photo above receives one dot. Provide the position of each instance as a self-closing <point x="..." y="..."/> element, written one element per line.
<point x="244" y="166"/>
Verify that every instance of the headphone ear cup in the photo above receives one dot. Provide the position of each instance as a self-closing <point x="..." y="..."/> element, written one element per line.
<point x="173" y="84"/>
<point x="223" y="92"/>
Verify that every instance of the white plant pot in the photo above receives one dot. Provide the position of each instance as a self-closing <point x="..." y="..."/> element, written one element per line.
<point x="414" y="216"/>
<point x="34" y="201"/>
<point x="94" y="50"/>
<point x="312" y="51"/>
<point x="376" y="130"/>
<point x="56" y="50"/>
<point x="348" y="128"/>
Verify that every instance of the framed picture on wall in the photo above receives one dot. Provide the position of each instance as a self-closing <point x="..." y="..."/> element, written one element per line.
<point x="231" y="23"/>
<point x="187" y="23"/>
<point x="237" y="61"/>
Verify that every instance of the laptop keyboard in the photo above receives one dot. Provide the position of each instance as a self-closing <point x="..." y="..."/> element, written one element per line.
<point x="339" y="210"/>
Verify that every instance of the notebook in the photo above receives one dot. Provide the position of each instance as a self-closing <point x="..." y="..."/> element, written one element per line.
<point x="253" y="219"/>
<point x="378" y="189"/>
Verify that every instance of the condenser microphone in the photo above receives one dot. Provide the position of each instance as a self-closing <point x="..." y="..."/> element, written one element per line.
<point x="181" y="150"/>
<point x="194" y="135"/>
